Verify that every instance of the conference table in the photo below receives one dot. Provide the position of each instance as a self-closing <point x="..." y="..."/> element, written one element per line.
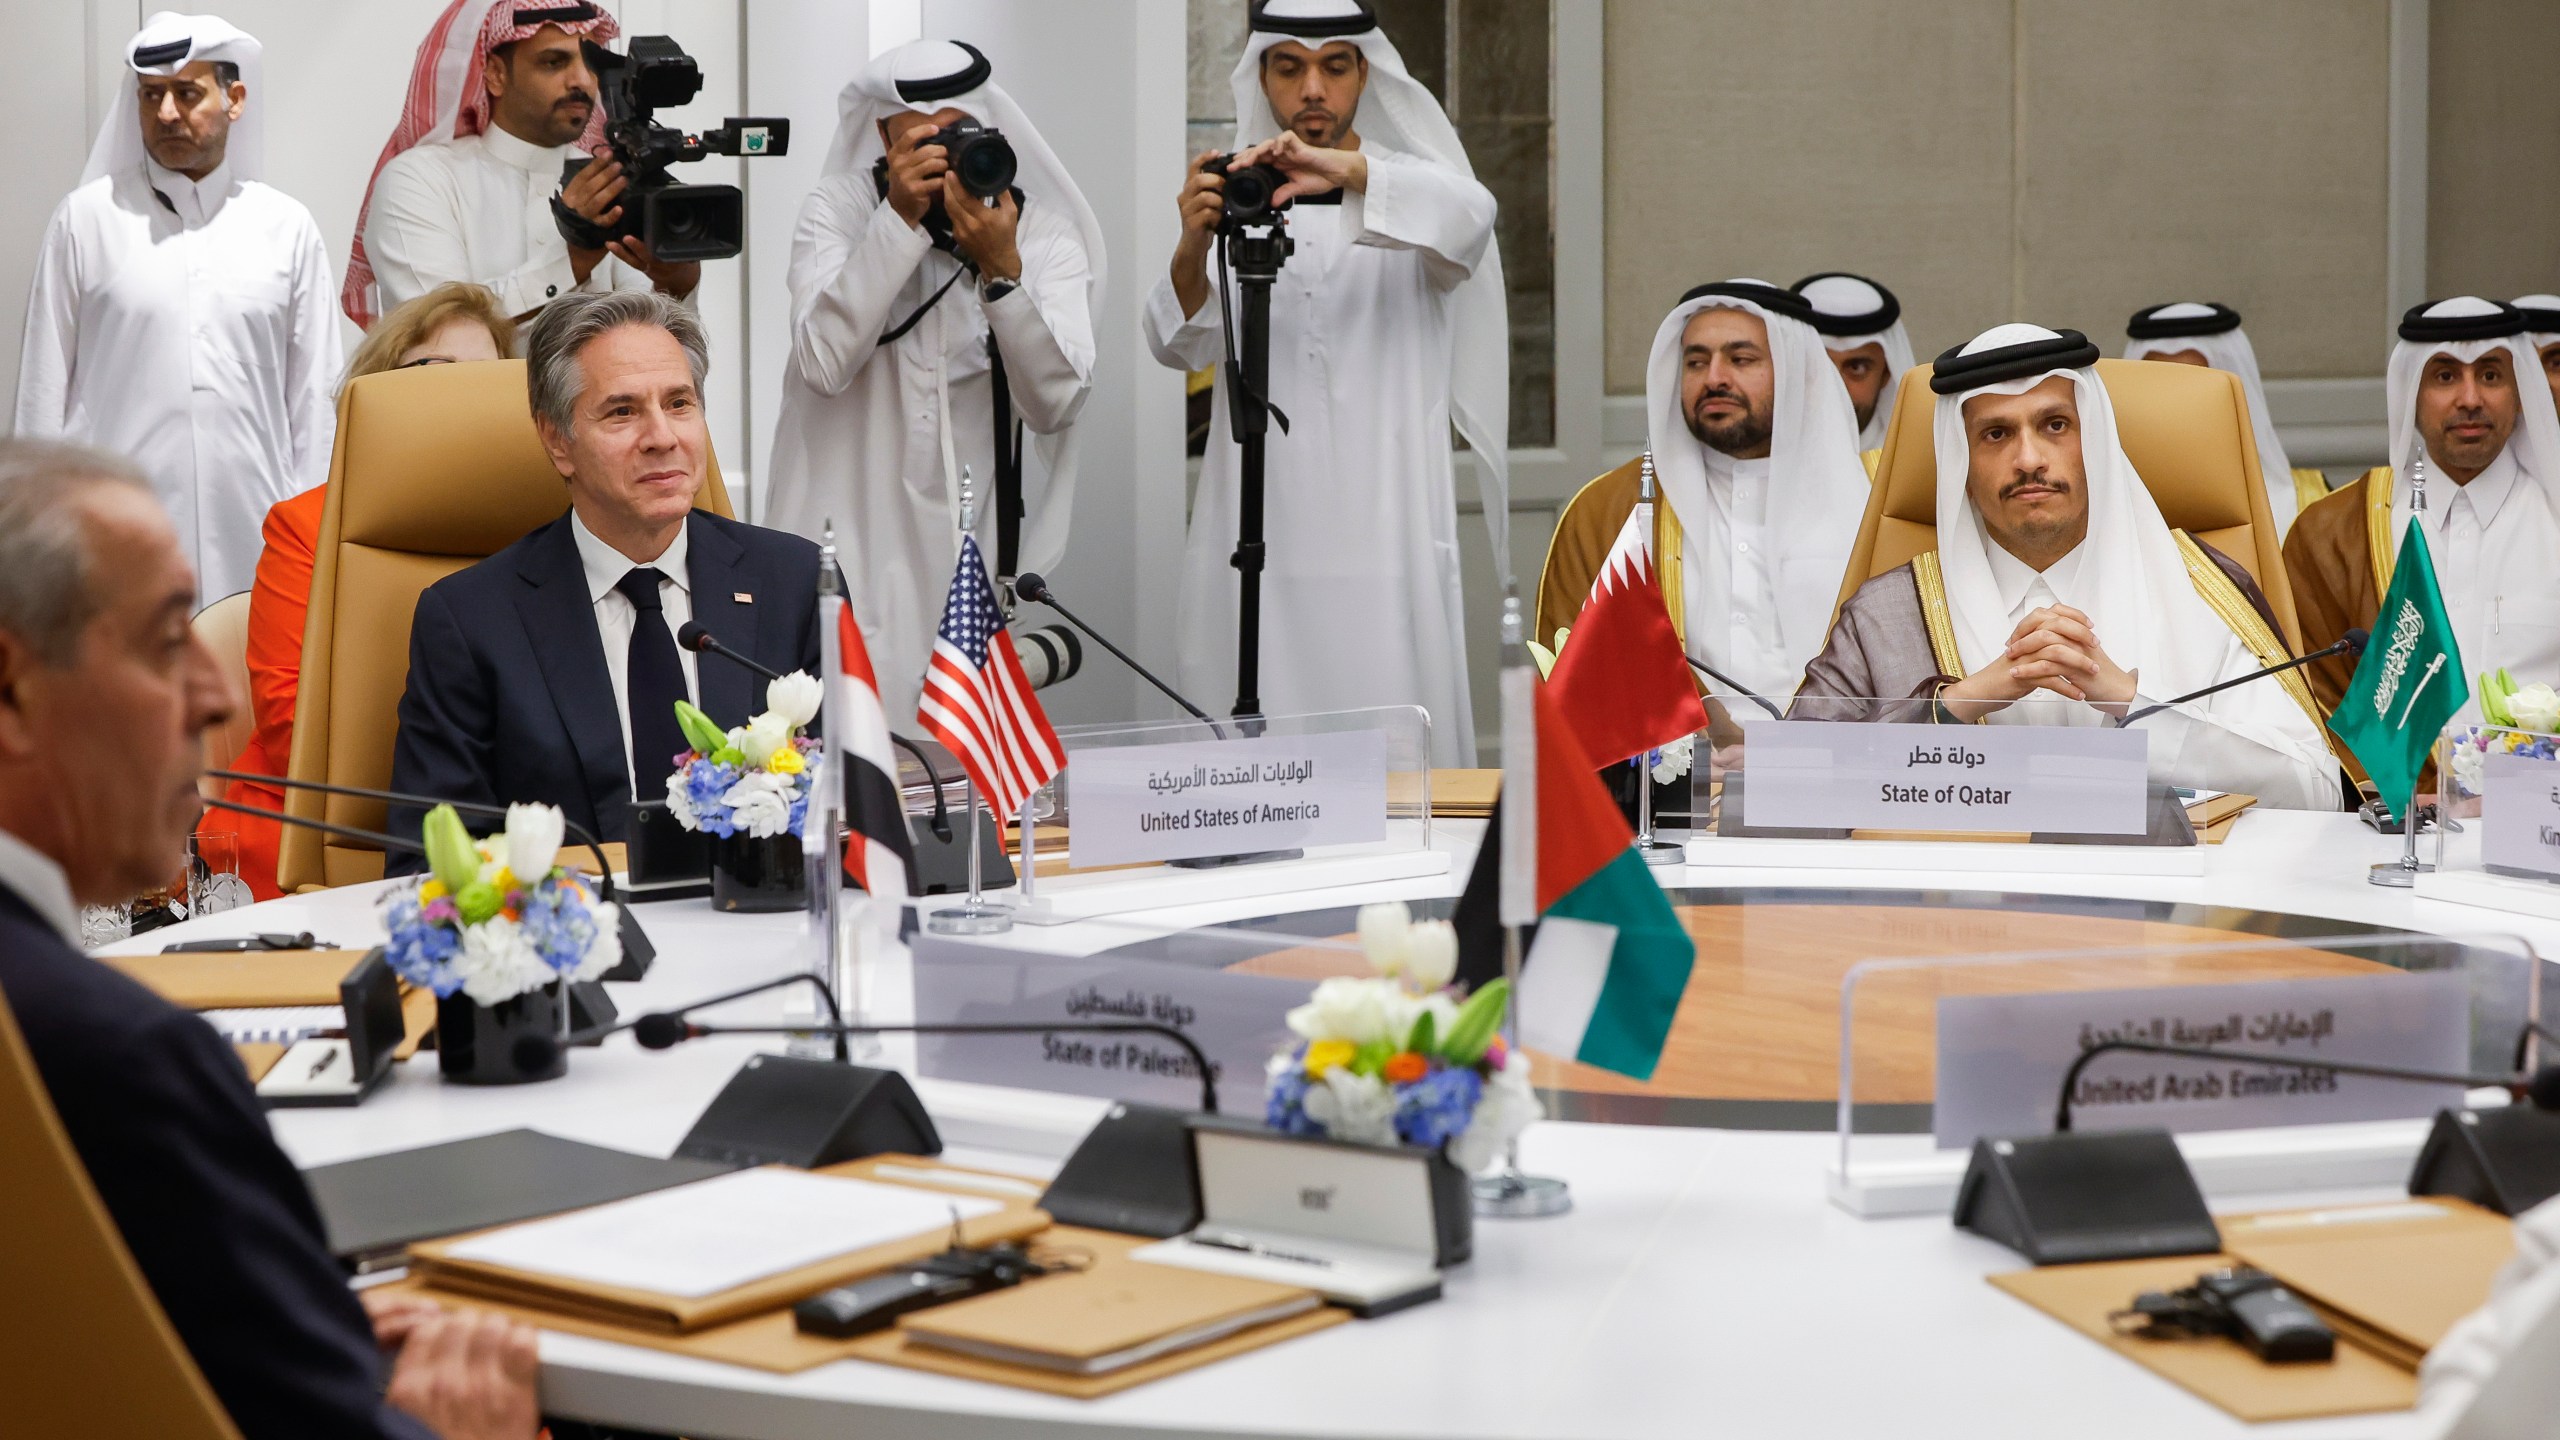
<point x="1701" y="1284"/>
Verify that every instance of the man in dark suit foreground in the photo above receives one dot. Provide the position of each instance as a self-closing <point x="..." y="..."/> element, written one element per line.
<point x="550" y="671"/>
<point x="104" y="693"/>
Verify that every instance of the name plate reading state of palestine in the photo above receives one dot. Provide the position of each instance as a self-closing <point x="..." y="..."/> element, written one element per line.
<point x="2520" y="816"/>
<point x="1837" y="775"/>
<point x="1136" y="804"/>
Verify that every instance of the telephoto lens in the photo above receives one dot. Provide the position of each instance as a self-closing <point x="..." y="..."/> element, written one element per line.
<point x="982" y="158"/>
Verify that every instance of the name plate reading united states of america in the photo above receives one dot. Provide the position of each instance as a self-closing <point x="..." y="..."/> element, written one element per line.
<point x="2520" y="816"/>
<point x="1139" y="804"/>
<point x="1835" y="775"/>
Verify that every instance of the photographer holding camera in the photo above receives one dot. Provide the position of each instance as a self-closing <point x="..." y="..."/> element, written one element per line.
<point x="463" y="189"/>
<point x="938" y="311"/>
<point x="1387" y="327"/>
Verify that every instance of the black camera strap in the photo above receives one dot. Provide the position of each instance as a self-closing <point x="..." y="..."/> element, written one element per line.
<point x="1009" y="506"/>
<point x="1240" y="394"/>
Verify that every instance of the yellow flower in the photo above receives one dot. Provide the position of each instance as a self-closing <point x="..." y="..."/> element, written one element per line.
<point x="1326" y="1055"/>
<point x="505" y="879"/>
<point x="431" y="890"/>
<point x="786" y="761"/>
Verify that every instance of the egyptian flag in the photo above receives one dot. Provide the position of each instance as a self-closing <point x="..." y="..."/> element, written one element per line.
<point x="1607" y="960"/>
<point x="879" y="854"/>
<point x="1623" y="681"/>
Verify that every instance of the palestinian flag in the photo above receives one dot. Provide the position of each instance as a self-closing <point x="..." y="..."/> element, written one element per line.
<point x="1608" y="959"/>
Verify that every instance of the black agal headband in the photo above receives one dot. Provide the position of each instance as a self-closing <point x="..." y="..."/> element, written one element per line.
<point x="1956" y="372"/>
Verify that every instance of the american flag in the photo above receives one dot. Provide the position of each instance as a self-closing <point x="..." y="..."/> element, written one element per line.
<point x="978" y="702"/>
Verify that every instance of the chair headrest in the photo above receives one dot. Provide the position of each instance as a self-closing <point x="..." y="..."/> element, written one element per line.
<point x="2186" y="429"/>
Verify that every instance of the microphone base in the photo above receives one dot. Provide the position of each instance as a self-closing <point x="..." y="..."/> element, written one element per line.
<point x="638" y="951"/>
<point x="2505" y="1160"/>
<point x="2082" y="1196"/>
<point x="1220" y="862"/>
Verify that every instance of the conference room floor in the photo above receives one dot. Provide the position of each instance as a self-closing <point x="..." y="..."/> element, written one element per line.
<point x="1702" y="1283"/>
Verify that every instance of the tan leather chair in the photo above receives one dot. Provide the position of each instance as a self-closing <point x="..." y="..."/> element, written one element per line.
<point x="2186" y="429"/>
<point x="435" y="468"/>
<point x="223" y="626"/>
<point x="91" y="1354"/>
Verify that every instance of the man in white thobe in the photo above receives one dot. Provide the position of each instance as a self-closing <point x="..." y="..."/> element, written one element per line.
<point x="907" y="294"/>
<point x="499" y="99"/>
<point x="1387" y="329"/>
<point x="1861" y="325"/>
<point x="2207" y="333"/>
<point x="180" y="312"/>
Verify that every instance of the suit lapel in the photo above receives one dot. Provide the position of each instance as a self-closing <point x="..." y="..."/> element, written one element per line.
<point x="560" y="619"/>
<point x="731" y="695"/>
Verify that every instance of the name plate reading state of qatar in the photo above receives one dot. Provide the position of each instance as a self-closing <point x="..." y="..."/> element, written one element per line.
<point x="1138" y="804"/>
<point x="1838" y="775"/>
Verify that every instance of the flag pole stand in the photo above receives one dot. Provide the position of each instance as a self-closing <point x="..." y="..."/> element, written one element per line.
<point x="1031" y="906"/>
<point x="2403" y="873"/>
<point x="1510" y="1193"/>
<point x="975" y="915"/>
<point x="1655" y="852"/>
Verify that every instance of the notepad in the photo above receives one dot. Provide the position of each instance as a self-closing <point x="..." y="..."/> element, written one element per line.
<point x="715" y="1235"/>
<point x="275" y="1024"/>
<point x="1107" y="1319"/>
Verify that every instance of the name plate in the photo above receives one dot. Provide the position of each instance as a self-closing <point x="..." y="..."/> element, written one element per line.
<point x="2520" y="816"/>
<point x="1139" y="804"/>
<point x="2001" y="1057"/>
<point x="1830" y="775"/>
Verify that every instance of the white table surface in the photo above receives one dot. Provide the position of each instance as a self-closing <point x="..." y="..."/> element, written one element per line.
<point x="1701" y="1285"/>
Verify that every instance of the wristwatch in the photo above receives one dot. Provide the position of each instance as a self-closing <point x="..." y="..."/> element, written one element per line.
<point x="994" y="290"/>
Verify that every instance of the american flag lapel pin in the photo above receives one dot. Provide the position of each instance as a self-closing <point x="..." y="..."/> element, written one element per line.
<point x="742" y="597"/>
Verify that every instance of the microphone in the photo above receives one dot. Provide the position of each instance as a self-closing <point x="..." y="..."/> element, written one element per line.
<point x="1035" y="590"/>
<point x="2350" y="643"/>
<point x="535" y="1054"/>
<point x="2541" y="1088"/>
<point x="693" y="636"/>
<point x="1736" y="686"/>
<point x="1050" y="654"/>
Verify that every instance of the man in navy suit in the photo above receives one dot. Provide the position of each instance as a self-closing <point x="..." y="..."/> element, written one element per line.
<point x="550" y="671"/>
<point x="105" y="693"/>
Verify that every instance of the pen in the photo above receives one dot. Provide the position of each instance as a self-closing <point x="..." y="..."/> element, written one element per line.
<point x="1265" y="1252"/>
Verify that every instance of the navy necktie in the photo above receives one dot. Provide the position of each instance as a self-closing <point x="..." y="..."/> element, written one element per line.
<point x="653" y="679"/>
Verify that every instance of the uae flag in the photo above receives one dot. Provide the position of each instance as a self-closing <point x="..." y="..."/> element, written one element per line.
<point x="1622" y="681"/>
<point x="1608" y="958"/>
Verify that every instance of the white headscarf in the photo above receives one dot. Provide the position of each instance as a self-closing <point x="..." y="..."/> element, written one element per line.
<point x="925" y="76"/>
<point x="1818" y="486"/>
<point x="1837" y="295"/>
<point x="2541" y="318"/>
<point x="2536" y="441"/>
<point x="2226" y="349"/>
<point x="2133" y="581"/>
<point x="1400" y="114"/>
<point x="166" y="44"/>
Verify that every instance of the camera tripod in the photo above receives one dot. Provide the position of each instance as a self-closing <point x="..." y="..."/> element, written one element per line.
<point x="1255" y="260"/>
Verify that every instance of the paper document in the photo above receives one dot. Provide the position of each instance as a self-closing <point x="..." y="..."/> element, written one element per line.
<point x="275" y="1024"/>
<point x="718" y="1234"/>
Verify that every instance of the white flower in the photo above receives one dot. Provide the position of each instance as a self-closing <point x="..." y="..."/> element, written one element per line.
<point x="2469" y="761"/>
<point x="794" y="697"/>
<point x="760" y="803"/>
<point x="1509" y="1106"/>
<point x="497" y="963"/>
<point x="605" y="951"/>
<point x="1385" y="932"/>
<point x="1353" y="1107"/>
<point x="1431" y="955"/>
<point x="1675" y="760"/>
<point x="1347" y="1009"/>
<point x="533" y="840"/>
<point x="680" y="802"/>
<point x="2536" y="707"/>
<point x="764" y="734"/>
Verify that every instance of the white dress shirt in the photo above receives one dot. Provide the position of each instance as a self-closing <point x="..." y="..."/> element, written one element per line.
<point x="478" y="209"/>
<point x="191" y="326"/>
<point x="40" y="882"/>
<point x="2497" y="556"/>
<point x="616" y="616"/>
<point x="2249" y="738"/>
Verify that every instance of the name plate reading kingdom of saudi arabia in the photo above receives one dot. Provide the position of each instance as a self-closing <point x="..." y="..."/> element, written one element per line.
<point x="1140" y="804"/>
<point x="1837" y="775"/>
<point x="2520" y="816"/>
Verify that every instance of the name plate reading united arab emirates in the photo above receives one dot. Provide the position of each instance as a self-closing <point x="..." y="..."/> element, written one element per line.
<point x="1138" y="804"/>
<point x="2520" y="816"/>
<point x="1837" y="775"/>
<point x="2001" y="1058"/>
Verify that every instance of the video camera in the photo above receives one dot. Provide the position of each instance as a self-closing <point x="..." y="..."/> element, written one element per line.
<point x="1248" y="192"/>
<point x="676" y="222"/>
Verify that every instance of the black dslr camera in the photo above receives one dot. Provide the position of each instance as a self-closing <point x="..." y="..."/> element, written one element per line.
<point x="980" y="157"/>
<point x="1248" y="192"/>
<point x="676" y="222"/>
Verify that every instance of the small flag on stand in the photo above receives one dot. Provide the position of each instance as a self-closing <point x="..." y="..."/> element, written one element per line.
<point x="977" y="700"/>
<point x="1609" y="961"/>
<point x="879" y="853"/>
<point x="2409" y="683"/>
<point x="1623" y="683"/>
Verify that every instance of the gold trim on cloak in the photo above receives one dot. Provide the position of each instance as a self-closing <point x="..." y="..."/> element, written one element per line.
<point x="2377" y="526"/>
<point x="1932" y="585"/>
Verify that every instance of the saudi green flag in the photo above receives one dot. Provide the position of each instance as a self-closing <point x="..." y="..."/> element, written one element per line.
<point x="2409" y="682"/>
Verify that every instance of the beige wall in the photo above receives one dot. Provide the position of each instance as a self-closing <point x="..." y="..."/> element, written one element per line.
<point x="2493" y="147"/>
<point x="2064" y="161"/>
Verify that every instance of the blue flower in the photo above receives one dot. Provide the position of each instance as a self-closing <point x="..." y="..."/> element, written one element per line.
<point x="1285" y="1104"/>
<point x="1435" y="1109"/>
<point x="420" y="951"/>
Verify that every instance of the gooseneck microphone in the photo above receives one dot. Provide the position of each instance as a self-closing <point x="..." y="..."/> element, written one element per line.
<point x="2542" y="1088"/>
<point x="535" y="1054"/>
<point x="694" y="637"/>
<point x="1736" y="686"/>
<point x="2350" y="643"/>
<point x="1032" y="589"/>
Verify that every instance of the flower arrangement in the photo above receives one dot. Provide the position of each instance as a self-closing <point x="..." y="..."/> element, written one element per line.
<point x="2520" y="720"/>
<point x="1398" y="1057"/>
<point x="496" y="918"/>
<point x="753" y="780"/>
